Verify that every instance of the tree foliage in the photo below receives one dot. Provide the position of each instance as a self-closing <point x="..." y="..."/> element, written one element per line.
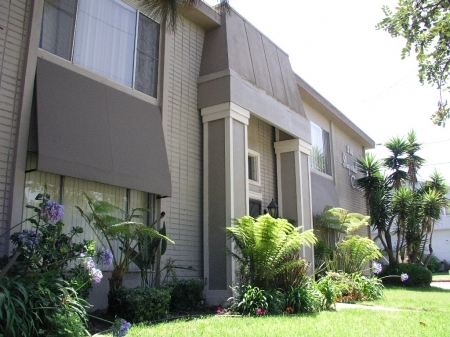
<point x="425" y="24"/>
<point x="399" y="205"/>
<point x="169" y="12"/>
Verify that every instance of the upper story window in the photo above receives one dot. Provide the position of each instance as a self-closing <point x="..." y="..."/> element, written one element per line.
<point x="320" y="153"/>
<point x="253" y="167"/>
<point x="107" y="37"/>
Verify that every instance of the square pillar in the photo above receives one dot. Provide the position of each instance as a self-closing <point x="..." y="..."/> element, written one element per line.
<point x="294" y="186"/>
<point x="225" y="191"/>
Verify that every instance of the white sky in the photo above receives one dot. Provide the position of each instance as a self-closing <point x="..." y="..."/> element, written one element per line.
<point x="334" y="46"/>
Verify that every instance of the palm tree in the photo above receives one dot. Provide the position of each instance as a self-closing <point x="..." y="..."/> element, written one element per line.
<point x="413" y="161"/>
<point x="433" y="201"/>
<point x="169" y="12"/>
<point x="377" y="192"/>
<point x="398" y="147"/>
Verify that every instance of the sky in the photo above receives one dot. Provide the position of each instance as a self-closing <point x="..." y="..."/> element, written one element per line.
<point x="335" y="47"/>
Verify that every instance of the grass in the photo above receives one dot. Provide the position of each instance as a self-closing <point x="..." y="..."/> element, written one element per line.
<point x="424" y="313"/>
<point x="441" y="277"/>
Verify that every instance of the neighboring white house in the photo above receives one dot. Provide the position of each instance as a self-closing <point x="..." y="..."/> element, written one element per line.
<point x="441" y="236"/>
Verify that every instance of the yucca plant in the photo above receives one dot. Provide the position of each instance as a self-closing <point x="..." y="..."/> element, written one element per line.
<point x="263" y="245"/>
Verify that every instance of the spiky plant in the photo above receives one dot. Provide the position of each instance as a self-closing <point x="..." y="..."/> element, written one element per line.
<point x="169" y="12"/>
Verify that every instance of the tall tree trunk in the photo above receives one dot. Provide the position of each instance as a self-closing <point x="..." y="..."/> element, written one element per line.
<point x="430" y="248"/>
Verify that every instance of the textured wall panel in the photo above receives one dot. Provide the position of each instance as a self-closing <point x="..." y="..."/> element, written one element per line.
<point x="184" y="145"/>
<point x="14" y="20"/>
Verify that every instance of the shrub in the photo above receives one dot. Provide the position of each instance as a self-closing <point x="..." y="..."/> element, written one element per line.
<point x="445" y="265"/>
<point x="140" y="304"/>
<point x="434" y="265"/>
<point x="418" y="276"/>
<point x="185" y="294"/>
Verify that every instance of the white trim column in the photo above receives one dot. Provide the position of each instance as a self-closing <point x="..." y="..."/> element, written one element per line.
<point x="225" y="191"/>
<point x="294" y="185"/>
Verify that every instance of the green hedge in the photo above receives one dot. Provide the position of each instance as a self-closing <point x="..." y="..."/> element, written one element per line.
<point x="185" y="294"/>
<point x="418" y="276"/>
<point x="140" y="304"/>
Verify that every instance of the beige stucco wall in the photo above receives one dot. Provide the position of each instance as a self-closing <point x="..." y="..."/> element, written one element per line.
<point x="350" y="198"/>
<point x="183" y="134"/>
<point x="14" y="18"/>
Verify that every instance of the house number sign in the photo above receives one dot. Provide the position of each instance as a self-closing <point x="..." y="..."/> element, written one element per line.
<point x="349" y="163"/>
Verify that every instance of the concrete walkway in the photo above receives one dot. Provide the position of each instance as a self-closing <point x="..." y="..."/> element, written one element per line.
<point x="441" y="284"/>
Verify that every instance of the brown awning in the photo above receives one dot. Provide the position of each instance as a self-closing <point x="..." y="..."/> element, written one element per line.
<point x="89" y="130"/>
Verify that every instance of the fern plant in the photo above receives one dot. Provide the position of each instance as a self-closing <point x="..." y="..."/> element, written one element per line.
<point x="263" y="245"/>
<point x="352" y="254"/>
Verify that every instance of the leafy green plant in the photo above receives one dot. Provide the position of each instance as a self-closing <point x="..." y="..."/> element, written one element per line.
<point x="134" y="237"/>
<point x="276" y="301"/>
<point x="352" y="254"/>
<point x="418" y="276"/>
<point x="16" y="316"/>
<point x="254" y="302"/>
<point x="37" y="295"/>
<point x="306" y="299"/>
<point x="263" y="245"/>
<point x="331" y="290"/>
<point x="371" y="288"/>
<point x="141" y="304"/>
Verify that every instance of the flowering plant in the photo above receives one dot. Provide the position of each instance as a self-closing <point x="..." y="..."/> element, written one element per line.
<point x="36" y="275"/>
<point x="377" y="268"/>
<point x="120" y="327"/>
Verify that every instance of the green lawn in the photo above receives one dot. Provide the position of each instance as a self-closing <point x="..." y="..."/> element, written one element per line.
<point x="441" y="276"/>
<point x="424" y="313"/>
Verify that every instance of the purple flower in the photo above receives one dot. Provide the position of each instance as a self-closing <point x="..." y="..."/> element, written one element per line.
<point x="96" y="275"/>
<point x="121" y="327"/>
<point x="219" y="310"/>
<point x="89" y="264"/>
<point x="259" y="311"/>
<point x="29" y="238"/>
<point x="51" y="211"/>
<point x="105" y="256"/>
<point x="404" y="277"/>
<point x="376" y="267"/>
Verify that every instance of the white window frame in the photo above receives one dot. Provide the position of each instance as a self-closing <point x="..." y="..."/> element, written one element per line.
<point x="330" y="174"/>
<point x="155" y="76"/>
<point x="256" y="159"/>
